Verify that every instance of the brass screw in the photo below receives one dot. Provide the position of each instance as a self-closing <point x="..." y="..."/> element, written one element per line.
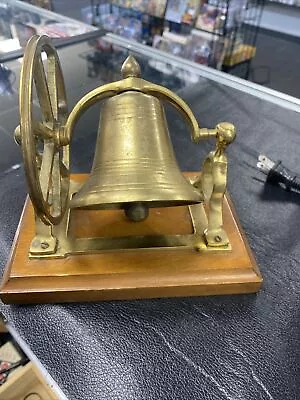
<point x="218" y="239"/>
<point x="44" y="245"/>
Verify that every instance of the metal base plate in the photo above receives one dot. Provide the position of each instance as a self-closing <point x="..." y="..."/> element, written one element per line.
<point x="111" y="230"/>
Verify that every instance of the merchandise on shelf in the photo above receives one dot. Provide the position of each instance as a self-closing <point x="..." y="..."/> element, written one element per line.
<point x="211" y="18"/>
<point x="236" y="13"/>
<point x="200" y="47"/>
<point x="206" y="49"/>
<point x="41" y="3"/>
<point x="182" y="11"/>
<point x="92" y="15"/>
<point x="243" y="53"/>
<point x="123" y="3"/>
<point x="171" y="43"/>
<point x="129" y="28"/>
<point x="119" y="23"/>
<point x="175" y="10"/>
<point x="191" y="12"/>
<point x="216" y="33"/>
<point x="61" y="30"/>
<point x="156" y="7"/>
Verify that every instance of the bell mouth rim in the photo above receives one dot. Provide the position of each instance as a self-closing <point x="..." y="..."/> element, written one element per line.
<point x="123" y="205"/>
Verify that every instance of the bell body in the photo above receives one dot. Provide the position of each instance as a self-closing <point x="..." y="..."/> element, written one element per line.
<point x="134" y="159"/>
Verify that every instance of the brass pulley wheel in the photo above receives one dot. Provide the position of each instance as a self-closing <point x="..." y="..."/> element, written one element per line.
<point x="43" y="112"/>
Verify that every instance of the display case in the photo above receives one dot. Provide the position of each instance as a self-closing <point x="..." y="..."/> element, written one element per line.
<point x="20" y="20"/>
<point x="220" y="34"/>
<point x="210" y="348"/>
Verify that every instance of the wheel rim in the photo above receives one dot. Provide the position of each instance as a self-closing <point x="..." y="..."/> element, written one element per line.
<point x="47" y="171"/>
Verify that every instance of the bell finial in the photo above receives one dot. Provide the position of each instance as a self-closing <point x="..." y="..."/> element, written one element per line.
<point x="131" y="68"/>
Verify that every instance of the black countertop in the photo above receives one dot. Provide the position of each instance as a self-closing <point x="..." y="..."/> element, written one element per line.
<point x="226" y="347"/>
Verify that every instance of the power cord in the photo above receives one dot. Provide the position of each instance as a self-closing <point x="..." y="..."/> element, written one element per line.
<point x="278" y="174"/>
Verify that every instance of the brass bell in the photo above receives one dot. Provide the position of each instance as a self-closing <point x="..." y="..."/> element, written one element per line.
<point x="91" y="256"/>
<point x="134" y="166"/>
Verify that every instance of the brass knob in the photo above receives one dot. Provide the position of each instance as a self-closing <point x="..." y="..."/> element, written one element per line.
<point x="130" y="68"/>
<point x="17" y="135"/>
<point x="226" y="133"/>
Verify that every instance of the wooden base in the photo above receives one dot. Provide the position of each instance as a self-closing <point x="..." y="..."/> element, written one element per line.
<point x="130" y="274"/>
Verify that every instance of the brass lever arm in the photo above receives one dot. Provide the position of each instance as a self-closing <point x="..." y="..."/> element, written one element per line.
<point x="224" y="132"/>
<point x="130" y="83"/>
<point x="133" y="82"/>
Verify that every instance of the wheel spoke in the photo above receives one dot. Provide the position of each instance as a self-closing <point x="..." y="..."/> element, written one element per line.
<point x="56" y="186"/>
<point x="47" y="168"/>
<point x="57" y="89"/>
<point x="52" y="81"/>
<point x="42" y="131"/>
<point x="39" y="159"/>
<point x="43" y="90"/>
<point x="63" y="170"/>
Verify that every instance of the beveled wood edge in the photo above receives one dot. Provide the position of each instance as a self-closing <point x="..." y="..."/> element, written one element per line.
<point x="8" y="266"/>
<point x="244" y="236"/>
<point x="88" y="287"/>
<point x="85" y="295"/>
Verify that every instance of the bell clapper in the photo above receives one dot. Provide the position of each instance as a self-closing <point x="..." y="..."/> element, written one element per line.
<point x="137" y="211"/>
